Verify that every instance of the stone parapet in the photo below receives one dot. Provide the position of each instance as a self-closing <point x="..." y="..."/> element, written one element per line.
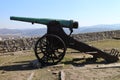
<point x="12" y="45"/>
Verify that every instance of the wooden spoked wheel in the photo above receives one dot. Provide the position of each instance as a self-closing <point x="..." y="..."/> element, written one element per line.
<point x="50" y="49"/>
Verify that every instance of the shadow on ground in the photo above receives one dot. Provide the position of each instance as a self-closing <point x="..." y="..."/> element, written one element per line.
<point x="81" y="62"/>
<point x="18" y="66"/>
<point x="27" y="65"/>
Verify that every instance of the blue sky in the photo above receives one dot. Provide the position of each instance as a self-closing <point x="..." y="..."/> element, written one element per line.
<point x="86" y="12"/>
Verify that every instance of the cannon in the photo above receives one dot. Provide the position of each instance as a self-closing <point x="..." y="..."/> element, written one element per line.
<point x="51" y="47"/>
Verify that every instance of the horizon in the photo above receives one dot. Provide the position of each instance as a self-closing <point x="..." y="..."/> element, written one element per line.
<point x="45" y="27"/>
<point x="87" y="12"/>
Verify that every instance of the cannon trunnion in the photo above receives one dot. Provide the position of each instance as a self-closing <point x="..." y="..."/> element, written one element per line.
<point x="51" y="47"/>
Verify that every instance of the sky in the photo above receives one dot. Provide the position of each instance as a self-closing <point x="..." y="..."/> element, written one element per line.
<point x="86" y="12"/>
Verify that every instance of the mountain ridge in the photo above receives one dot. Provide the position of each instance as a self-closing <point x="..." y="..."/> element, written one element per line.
<point x="41" y="31"/>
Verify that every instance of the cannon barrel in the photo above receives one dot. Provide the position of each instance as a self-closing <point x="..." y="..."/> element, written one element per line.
<point x="45" y="21"/>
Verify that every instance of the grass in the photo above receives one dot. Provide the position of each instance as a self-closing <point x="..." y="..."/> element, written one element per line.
<point x="103" y="44"/>
<point x="106" y="44"/>
<point x="26" y="56"/>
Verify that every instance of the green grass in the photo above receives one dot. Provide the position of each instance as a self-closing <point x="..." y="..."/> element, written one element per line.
<point x="106" y="44"/>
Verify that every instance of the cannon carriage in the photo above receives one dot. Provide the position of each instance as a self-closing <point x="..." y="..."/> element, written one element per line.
<point x="51" y="47"/>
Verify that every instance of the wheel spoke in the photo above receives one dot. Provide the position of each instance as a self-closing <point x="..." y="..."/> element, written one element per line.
<point x="39" y="52"/>
<point x="55" y="55"/>
<point x="52" y="58"/>
<point x="44" y="58"/>
<point x="52" y="47"/>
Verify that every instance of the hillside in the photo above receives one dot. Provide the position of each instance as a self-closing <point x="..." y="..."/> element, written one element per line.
<point x="41" y="31"/>
<point x="97" y="28"/>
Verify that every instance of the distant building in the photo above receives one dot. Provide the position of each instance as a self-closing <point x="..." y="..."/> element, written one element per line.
<point x="11" y="38"/>
<point x="0" y="38"/>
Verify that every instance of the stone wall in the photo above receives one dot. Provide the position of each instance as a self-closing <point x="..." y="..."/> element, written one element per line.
<point x="28" y="43"/>
<point x="17" y="44"/>
<point x="95" y="36"/>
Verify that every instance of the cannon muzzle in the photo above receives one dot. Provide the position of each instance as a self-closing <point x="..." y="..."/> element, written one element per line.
<point x="45" y="21"/>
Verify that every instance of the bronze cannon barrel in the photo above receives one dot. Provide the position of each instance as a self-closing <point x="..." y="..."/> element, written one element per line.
<point x="45" y="21"/>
